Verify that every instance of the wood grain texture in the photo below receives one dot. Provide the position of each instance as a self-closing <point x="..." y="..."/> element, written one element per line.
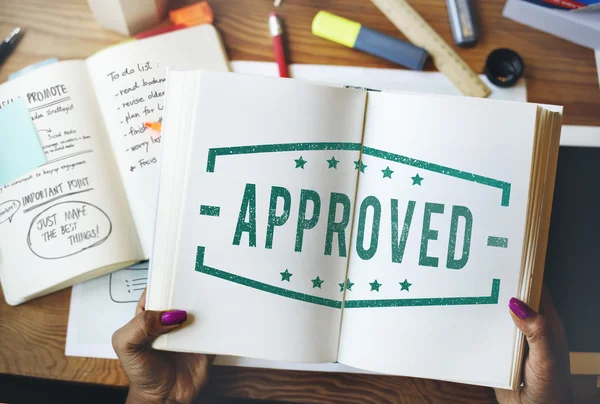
<point x="33" y="335"/>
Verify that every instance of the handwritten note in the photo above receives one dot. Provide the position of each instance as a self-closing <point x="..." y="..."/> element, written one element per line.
<point x="68" y="228"/>
<point x="69" y="215"/>
<point x="130" y="83"/>
<point x="139" y="96"/>
<point x="92" y="204"/>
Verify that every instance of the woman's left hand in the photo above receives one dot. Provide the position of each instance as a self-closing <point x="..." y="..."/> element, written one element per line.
<point x="158" y="376"/>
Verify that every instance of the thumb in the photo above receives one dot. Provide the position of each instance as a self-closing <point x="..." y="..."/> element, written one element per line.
<point x="144" y="328"/>
<point x="535" y="328"/>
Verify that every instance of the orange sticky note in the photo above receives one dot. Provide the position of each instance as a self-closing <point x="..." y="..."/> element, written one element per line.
<point x="196" y="14"/>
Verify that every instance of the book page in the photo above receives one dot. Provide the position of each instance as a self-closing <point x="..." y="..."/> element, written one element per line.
<point x="101" y="306"/>
<point x="70" y="216"/>
<point x="261" y="243"/>
<point x="130" y="83"/>
<point x="439" y="234"/>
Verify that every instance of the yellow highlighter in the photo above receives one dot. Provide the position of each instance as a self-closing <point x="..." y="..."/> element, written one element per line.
<point x="353" y="35"/>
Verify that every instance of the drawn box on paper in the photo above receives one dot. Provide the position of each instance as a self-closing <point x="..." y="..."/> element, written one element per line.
<point x="127" y="285"/>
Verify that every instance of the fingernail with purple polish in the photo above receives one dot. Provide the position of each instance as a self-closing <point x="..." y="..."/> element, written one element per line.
<point x="520" y="309"/>
<point x="173" y="317"/>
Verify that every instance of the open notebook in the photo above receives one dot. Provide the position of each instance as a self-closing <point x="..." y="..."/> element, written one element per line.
<point x="90" y="209"/>
<point x="385" y="231"/>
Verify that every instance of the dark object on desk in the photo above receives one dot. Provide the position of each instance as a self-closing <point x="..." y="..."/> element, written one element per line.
<point x="17" y="389"/>
<point x="573" y="257"/>
<point x="463" y="22"/>
<point x="504" y="67"/>
<point x="9" y="43"/>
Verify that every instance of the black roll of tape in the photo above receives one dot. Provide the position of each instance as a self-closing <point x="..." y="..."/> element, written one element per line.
<point x="504" y="67"/>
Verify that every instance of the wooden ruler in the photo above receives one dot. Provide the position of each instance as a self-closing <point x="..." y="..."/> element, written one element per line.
<point x="419" y="32"/>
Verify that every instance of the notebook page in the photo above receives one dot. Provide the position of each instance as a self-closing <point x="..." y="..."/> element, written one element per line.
<point x="70" y="216"/>
<point x="130" y="82"/>
<point x="266" y="159"/>
<point x="439" y="237"/>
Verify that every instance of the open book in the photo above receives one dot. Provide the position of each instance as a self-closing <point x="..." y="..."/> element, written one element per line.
<point x="90" y="209"/>
<point x="385" y="231"/>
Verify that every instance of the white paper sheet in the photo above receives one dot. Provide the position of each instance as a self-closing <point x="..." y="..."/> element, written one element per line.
<point x="417" y="337"/>
<point x="86" y="295"/>
<point x="583" y="136"/>
<point x="100" y="307"/>
<point x="378" y="79"/>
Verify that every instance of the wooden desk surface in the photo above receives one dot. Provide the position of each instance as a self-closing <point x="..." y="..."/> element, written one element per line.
<point x="33" y="335"/>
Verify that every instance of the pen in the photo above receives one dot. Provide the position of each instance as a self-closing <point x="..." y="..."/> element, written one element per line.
<point x="277" y="34"/>
<point x="9" y="43"/>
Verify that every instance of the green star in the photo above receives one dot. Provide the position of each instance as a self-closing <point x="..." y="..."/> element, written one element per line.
<point x="333" y="162"/>
<point x="375" y="285"/>
<point x="285" y="276"/>
<point x="348" y="285"/>
<point x="300" y="163"/>
<point x="405" y="285"/>
<point x="387" y="173"/>
<point x="317" y="282"/>
<point x="359" y="164"/>
<point x="417" y="180"/>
